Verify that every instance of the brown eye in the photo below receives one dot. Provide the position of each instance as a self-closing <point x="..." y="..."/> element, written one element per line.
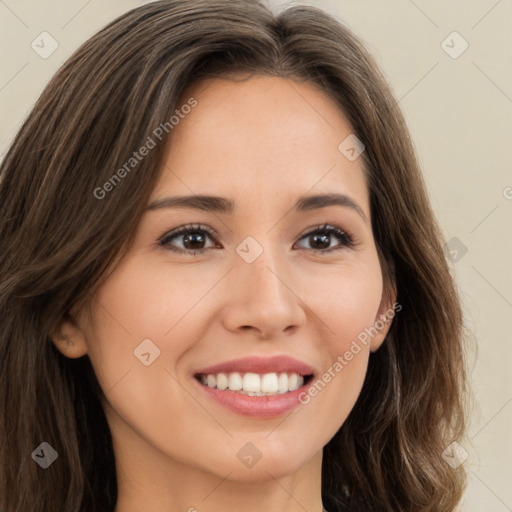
<point x="193" y="239"/>
<point x="321" y="238"/>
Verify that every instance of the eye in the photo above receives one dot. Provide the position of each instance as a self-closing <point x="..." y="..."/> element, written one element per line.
<point x="193" y="238"/>
<point x="321" y="238"/>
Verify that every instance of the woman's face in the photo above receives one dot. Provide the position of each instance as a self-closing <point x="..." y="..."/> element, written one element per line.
<point x="267" y="277"/>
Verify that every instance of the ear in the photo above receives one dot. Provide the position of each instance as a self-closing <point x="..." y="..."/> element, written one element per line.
<point x="384" y="318"/>
<point x="69" y="338"/>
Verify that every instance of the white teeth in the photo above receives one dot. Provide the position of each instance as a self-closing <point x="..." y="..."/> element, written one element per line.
<point x="253" y="384"/>
<point x="294" y="382"/>
<point x="235" y="382"/>
<point x="269" y="383"/>
<point x="222" y="381"/>
<point x="283" y="383"/>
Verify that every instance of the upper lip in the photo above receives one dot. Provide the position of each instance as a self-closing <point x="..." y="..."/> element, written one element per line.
<point x="260" y="365"/>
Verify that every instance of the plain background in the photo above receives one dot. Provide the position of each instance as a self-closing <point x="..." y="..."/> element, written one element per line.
<point x="459" y="111"/>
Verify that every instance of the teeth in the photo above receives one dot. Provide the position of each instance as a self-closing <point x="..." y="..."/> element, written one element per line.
<point x="222" y="381"/>
<point x="269" y="383"/>
<point x="235" y="382"/>
<point x="293" y="382"/>
<point x="283" y="383"/>
<point x="253" y="384"/>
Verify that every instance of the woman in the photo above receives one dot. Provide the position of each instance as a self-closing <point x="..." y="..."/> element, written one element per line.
<point x="175" y="334"/>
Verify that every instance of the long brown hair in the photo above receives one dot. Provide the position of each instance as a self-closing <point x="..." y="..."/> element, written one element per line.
<point x="59" y="241"/>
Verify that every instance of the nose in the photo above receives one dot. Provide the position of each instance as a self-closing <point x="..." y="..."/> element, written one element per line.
<point x="262" y="298"/>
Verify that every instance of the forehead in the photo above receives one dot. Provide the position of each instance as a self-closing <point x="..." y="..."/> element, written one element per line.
<point x="260" y="135"/>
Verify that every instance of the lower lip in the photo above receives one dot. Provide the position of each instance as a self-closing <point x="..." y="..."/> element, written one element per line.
<point x="271" y="406"/>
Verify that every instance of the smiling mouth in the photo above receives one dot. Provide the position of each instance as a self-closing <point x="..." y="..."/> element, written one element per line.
<point x="254" y="384"/>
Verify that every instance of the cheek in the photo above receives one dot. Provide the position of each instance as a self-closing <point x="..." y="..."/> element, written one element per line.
<point x="347" y="301"/>
<point x="141" y="301"/>
<point x="134" y="305"/>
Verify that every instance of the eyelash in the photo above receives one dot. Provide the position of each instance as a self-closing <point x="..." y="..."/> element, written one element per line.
<point x="346" y="239"/>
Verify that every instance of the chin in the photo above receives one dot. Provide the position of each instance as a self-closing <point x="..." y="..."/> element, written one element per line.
<point x="265" y="470"/>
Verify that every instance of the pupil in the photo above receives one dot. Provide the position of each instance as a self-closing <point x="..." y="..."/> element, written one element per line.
<point x="322" y="238"/>
<point x="194" y="238"/>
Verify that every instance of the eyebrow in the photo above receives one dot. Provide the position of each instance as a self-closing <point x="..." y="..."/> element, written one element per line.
<point x="226" y="206"/>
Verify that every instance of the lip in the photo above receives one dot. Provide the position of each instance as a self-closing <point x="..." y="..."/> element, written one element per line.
<point x="263" y="407"/>
<point x="260" y="365"/>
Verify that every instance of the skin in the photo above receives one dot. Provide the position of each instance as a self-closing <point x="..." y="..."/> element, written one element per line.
<point x="264" y="143"/>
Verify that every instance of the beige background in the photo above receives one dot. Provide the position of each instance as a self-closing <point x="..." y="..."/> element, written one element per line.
<point x="459" y="111"/>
